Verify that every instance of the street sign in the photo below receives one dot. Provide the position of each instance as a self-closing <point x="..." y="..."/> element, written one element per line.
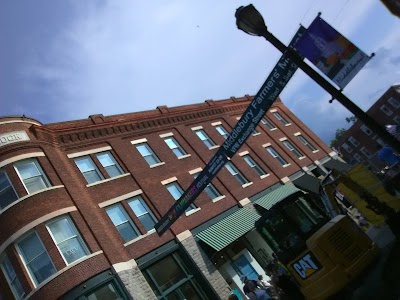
<point x="260" y="104"/>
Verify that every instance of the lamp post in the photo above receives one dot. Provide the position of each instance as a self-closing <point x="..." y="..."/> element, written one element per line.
<point x="249" y="20"/>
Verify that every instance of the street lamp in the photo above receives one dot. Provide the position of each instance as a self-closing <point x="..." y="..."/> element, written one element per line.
<point x="249" y="20"/>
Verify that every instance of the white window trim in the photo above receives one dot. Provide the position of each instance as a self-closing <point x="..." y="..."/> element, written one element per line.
<point x="139" y="141"/>
<point x="142" y="236"/>
<point x="184" y="156"/>
<point x="164" y="135"/>
<point x="266" y="145"/>
<point x="197" y="128"/>
<point x="20" y="157"/>
<point x="120" y="198"/>
<point x="297" y="133"/>
<point x="218" y="198"/>
<point x="169" y="180"/>
<point x="247" y="184"/>
<point x="285" y="166"/>
<point x="283" y="139"/>
<point x="157" y="164"/>
<point x="61" y="272"/>
<point x="216" y="123"/>
<point x="42" y="174"/>
<point x="264" y="176"/>
<point x="195" y="171"/>
<point x="192" y="211"/>
<point x="30" y="195"/>
<point x="257" y="133"/>
<point x="288" y="124"/>
<point x="88" y="152"/>
<point x="17" y="235"/>
<point x="244" y="153"/>
<point x="213" y="147"/>
<point x="273" y="110"/>
<point x="108" y="179"/>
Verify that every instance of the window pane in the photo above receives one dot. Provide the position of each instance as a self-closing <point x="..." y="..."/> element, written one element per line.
<point x="137" y="207"/>
<point x="113" y="171"/>
<point x="61" y="230"/>
<point x="175" y="191"/>
<point x="7" y="193"/>
<point x="84" y="164"/>
<point x="166" y="273"/>
<point x="42" y="267"/>
<point x="143" y="150"/>
<point x="92" y="177"/>
<point x="212" y="192"/>
<point x="151" y="160"/>
<point x="27" y="169"/>
<point x="105" y="159"/>
<point x="35" y="184"/>
<point x="171" y="143"/>
<point x="31" y="247"/>
<point x="230" y="169"/>
<point x="178" y="152"/>
<point x="147" y="221"/>
<point x="127" y="232"/>
<point x="116" y="215"/>
<point x="105" y="292"/>
<point x="72" y="250"/>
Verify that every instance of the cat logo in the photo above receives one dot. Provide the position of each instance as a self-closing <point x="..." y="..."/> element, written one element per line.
<point x="307" y="265"/>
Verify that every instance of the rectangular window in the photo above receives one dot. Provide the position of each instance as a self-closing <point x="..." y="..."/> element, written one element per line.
<point x="35" y="257"/>
<point x="267" y="124"/>
<point x="275" y="155"/>
<point x="366" y="129"/>
<point x="396" y="119"/>
<point x="68" y="240"/>
<point x="142" y="212"/>
<point x="305" y="142"/>
<point x="109" y="163"/>
<point x="122" y="222"/>
<point x="280" y="118"/>
<point x="250" y="161"/>
<point x="32" y="175"/>
<point x="176" y="192"/>
<point x="386" y="110"/>
<point x="148" y="154"/>
<point x="205" y="138"/>
<point x="354" y="141"/>
<point x="211" y="190"/>
<point x="235" y="173"/>
<point x="12" y="278"/>
<point x="347" y="147"/>
<point x="175" y="147"/>
<point x="365" y="152"/>
<point x="393" y="102"/>
<point x="293" y="149"/>
<point x="88" y="169"/>
<point x="222" y="131"/>
<point x="358" y="157"/>
<point x="7" y="192"/>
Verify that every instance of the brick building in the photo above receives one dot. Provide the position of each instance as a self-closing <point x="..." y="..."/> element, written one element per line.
<point x="359" y="144"/>
<point x="79" y="200"/>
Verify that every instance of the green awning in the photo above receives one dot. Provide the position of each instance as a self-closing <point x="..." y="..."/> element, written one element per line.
<point x="269" y="200"/>
<point x="307" y="183"/>
<point x="336" y="165"/>
<point x="229" y="229"/>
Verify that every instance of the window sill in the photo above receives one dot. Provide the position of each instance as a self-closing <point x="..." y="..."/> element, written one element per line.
<point x="302" y="157"/>
<point x="315" y="151"/>
<point x="285" y="166"/>
<point x="191" y="212"/>
<point x="273" y="129"/>
<point x="213" y="147"/>
<point x="247" y="184"/>
<point x="288" y="124"/>
<point x="264" y="176"/>
<point x="140" y="237"/>
<point x="157" y="165"/>
<point x="258" y="133"/>
<point x="28" y="196"/>
<point x="82" y="259"/>
<point x="218" y="198"/>
<point x="185" y="156"/>
<point x="108" y="179"/>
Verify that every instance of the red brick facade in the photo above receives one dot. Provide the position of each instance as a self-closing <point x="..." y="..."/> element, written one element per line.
<point x="70" y="194"/>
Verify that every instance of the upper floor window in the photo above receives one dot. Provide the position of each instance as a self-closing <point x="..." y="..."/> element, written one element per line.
<point x="396" y="119"/>
<point x="12" y="278"/>
<point x="142" y="212"/>
<point x="68" y="240"/>
<point x="305" y="142"/>
<point x="386" y="110"/>
<point x="109" y="163"/>
<point x="32" y="175"/>
<point x="122" y="222"/>
<point x="175" y="147"/>
<point x="222" y="131"/>
<point x="176" y="192"/>
<point x="250" y="161"/>
<point x="358" y="157"/>
<point x="205" y="138"/>
<point x="235" y="173"/>
<point x="366" y="152"/>
<point x="366" y="129"/>
<point x="211" y="190"/>
<point x="354" y="141"/>
<point x="7" y="192"/>
<point x="267" y="123"/>
<point x="277" y="156"/>
<point x="35" y="258"/>
<point x="89" y="170"/>
<point x="281" y="118"/>
<point x="394" y="102"/>
<point x="148" y="154"/>
<point x="347" y="147"/>
<point x="293" y="149"/>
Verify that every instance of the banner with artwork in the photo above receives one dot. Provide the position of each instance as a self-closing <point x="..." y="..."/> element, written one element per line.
<point x="331" y="52"/>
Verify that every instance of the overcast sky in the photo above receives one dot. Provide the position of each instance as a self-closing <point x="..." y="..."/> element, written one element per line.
<point x="66" y="60"/>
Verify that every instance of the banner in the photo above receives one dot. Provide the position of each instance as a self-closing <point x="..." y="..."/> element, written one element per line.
<point x="261" y="102"/>
<point x="331" y="52"/>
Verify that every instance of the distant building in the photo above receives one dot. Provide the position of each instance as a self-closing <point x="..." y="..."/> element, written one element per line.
<point x="79" y="201"/>
<point x="359" y="144"/>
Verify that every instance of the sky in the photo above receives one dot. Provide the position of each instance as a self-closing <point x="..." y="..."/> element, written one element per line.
<point x="66" y="60"/>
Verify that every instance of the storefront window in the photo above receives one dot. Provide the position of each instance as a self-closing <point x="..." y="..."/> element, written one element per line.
<point x="244" y="267"/>
<point x="171" y="280"/>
